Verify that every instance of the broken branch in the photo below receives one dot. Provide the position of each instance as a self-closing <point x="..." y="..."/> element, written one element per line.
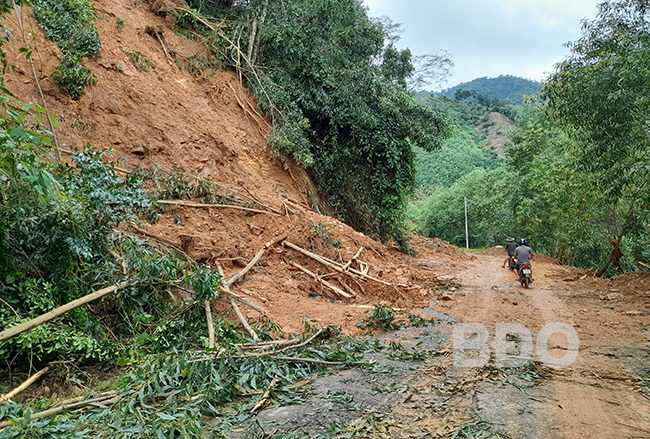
<point x="643" y="265"/>
<point x="334" y="265"/>
<point x="337" y="290"/>
<point x="26" y="384"/>
<point x="106" y="399"/>
<point x="243" y="320"/>
<point x="254" y="261"/>
<point x="356" y="255"/>
<point x="244" y="301"/>
<point x="241" y="317"/>
<point x="210" y="322"/>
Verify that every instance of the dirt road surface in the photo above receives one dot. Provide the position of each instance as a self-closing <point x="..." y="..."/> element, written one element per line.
<point x="599" y="395"/>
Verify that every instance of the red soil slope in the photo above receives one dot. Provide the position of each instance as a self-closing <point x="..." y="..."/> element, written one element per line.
<point x="207" y="123"/>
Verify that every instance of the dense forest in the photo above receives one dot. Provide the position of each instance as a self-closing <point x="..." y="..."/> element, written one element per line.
<point x="507" y="87"/>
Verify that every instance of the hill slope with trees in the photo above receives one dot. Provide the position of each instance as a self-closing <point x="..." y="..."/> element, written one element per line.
<point x="146" y="190"/>
<point x="508" y="87"/>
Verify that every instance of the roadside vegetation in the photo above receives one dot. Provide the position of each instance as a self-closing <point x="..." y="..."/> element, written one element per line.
<point x="575" y="181"/>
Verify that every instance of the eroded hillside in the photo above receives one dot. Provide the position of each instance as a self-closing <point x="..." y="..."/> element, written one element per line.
<point x="176" y="113"/>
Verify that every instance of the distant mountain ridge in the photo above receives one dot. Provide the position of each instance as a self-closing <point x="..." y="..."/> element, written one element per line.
<point x="508" y="87"/>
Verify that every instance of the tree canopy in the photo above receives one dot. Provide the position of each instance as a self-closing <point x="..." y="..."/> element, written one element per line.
<point x="601" y="93"/>
<point x="340" y="106"/>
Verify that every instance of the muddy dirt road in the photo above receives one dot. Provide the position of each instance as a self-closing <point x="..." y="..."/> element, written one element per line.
<point x="597" y="396"/>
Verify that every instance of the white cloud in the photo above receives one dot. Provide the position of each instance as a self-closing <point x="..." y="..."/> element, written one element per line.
<point x="375" y="4"/>
<point x="547" y="13"/>
<point x="490" y="37"/>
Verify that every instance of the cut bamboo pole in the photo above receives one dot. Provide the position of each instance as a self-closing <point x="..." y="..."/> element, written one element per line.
<point x="201" y="205"/>
<point x="286" y="348"/>
<point x="56" y="410"/>
<point x="356" y="255"/>
<point x="210" y="322"/>
<point x="244" y="301"/>
<point x="19" y="329"/>
<point x="253" y="261"/>
<point x="346" y="286"/>
<point x="265" y="397"/>
<point x="243" y="320"/>
<point x="238" y="312"/>
<point x="325" y="283"/>
<point x="268" y="344"/>
<point x="26" y="384"/>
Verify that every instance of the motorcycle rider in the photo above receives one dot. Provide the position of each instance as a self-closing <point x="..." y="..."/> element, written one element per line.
<point x="510" y="249"/>
<point x="524" y="254"/>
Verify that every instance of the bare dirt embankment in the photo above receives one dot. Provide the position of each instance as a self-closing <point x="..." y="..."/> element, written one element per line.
<point x="181" y="114"/>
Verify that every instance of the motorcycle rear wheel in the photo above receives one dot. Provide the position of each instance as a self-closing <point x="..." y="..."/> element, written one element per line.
<point x="526" y="282"/>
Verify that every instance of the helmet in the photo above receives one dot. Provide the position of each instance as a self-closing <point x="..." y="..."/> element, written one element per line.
<point x="510" y="239"/>
<point x="523" y="241"/>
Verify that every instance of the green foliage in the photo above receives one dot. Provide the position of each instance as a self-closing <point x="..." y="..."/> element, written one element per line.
<point x="600" y="95"/>
<point x="57" y="243"/>
<point x="502" y="106"/>
<point x="351" y="122"/>
<point x="177" y="395"/>
<point x="504" y="87"/>
<point x="71" y="24"/>
<point x="488" y="214"/>
<point x="460" y="154"/>
<point x="73" y="76"/>
<point x="139" y="60"/>
<point x="382" y="317"/>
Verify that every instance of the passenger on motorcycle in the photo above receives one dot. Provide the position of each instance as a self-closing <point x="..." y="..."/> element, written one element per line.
<point x="524" y="254"/>
<point x="510" y="249"/>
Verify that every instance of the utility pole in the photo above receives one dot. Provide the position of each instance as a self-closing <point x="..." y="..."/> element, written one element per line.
<point x="466" y="228"/>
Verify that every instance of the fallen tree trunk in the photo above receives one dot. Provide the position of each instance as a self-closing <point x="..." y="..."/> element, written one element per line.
<point x="26" y="326"/>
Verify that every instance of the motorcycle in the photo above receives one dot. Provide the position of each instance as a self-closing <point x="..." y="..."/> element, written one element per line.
<point x="512" y="261"/>
<point x="525" y="275"/>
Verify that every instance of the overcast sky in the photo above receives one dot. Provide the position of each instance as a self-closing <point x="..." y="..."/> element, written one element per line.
<point x="489" y="37"/>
